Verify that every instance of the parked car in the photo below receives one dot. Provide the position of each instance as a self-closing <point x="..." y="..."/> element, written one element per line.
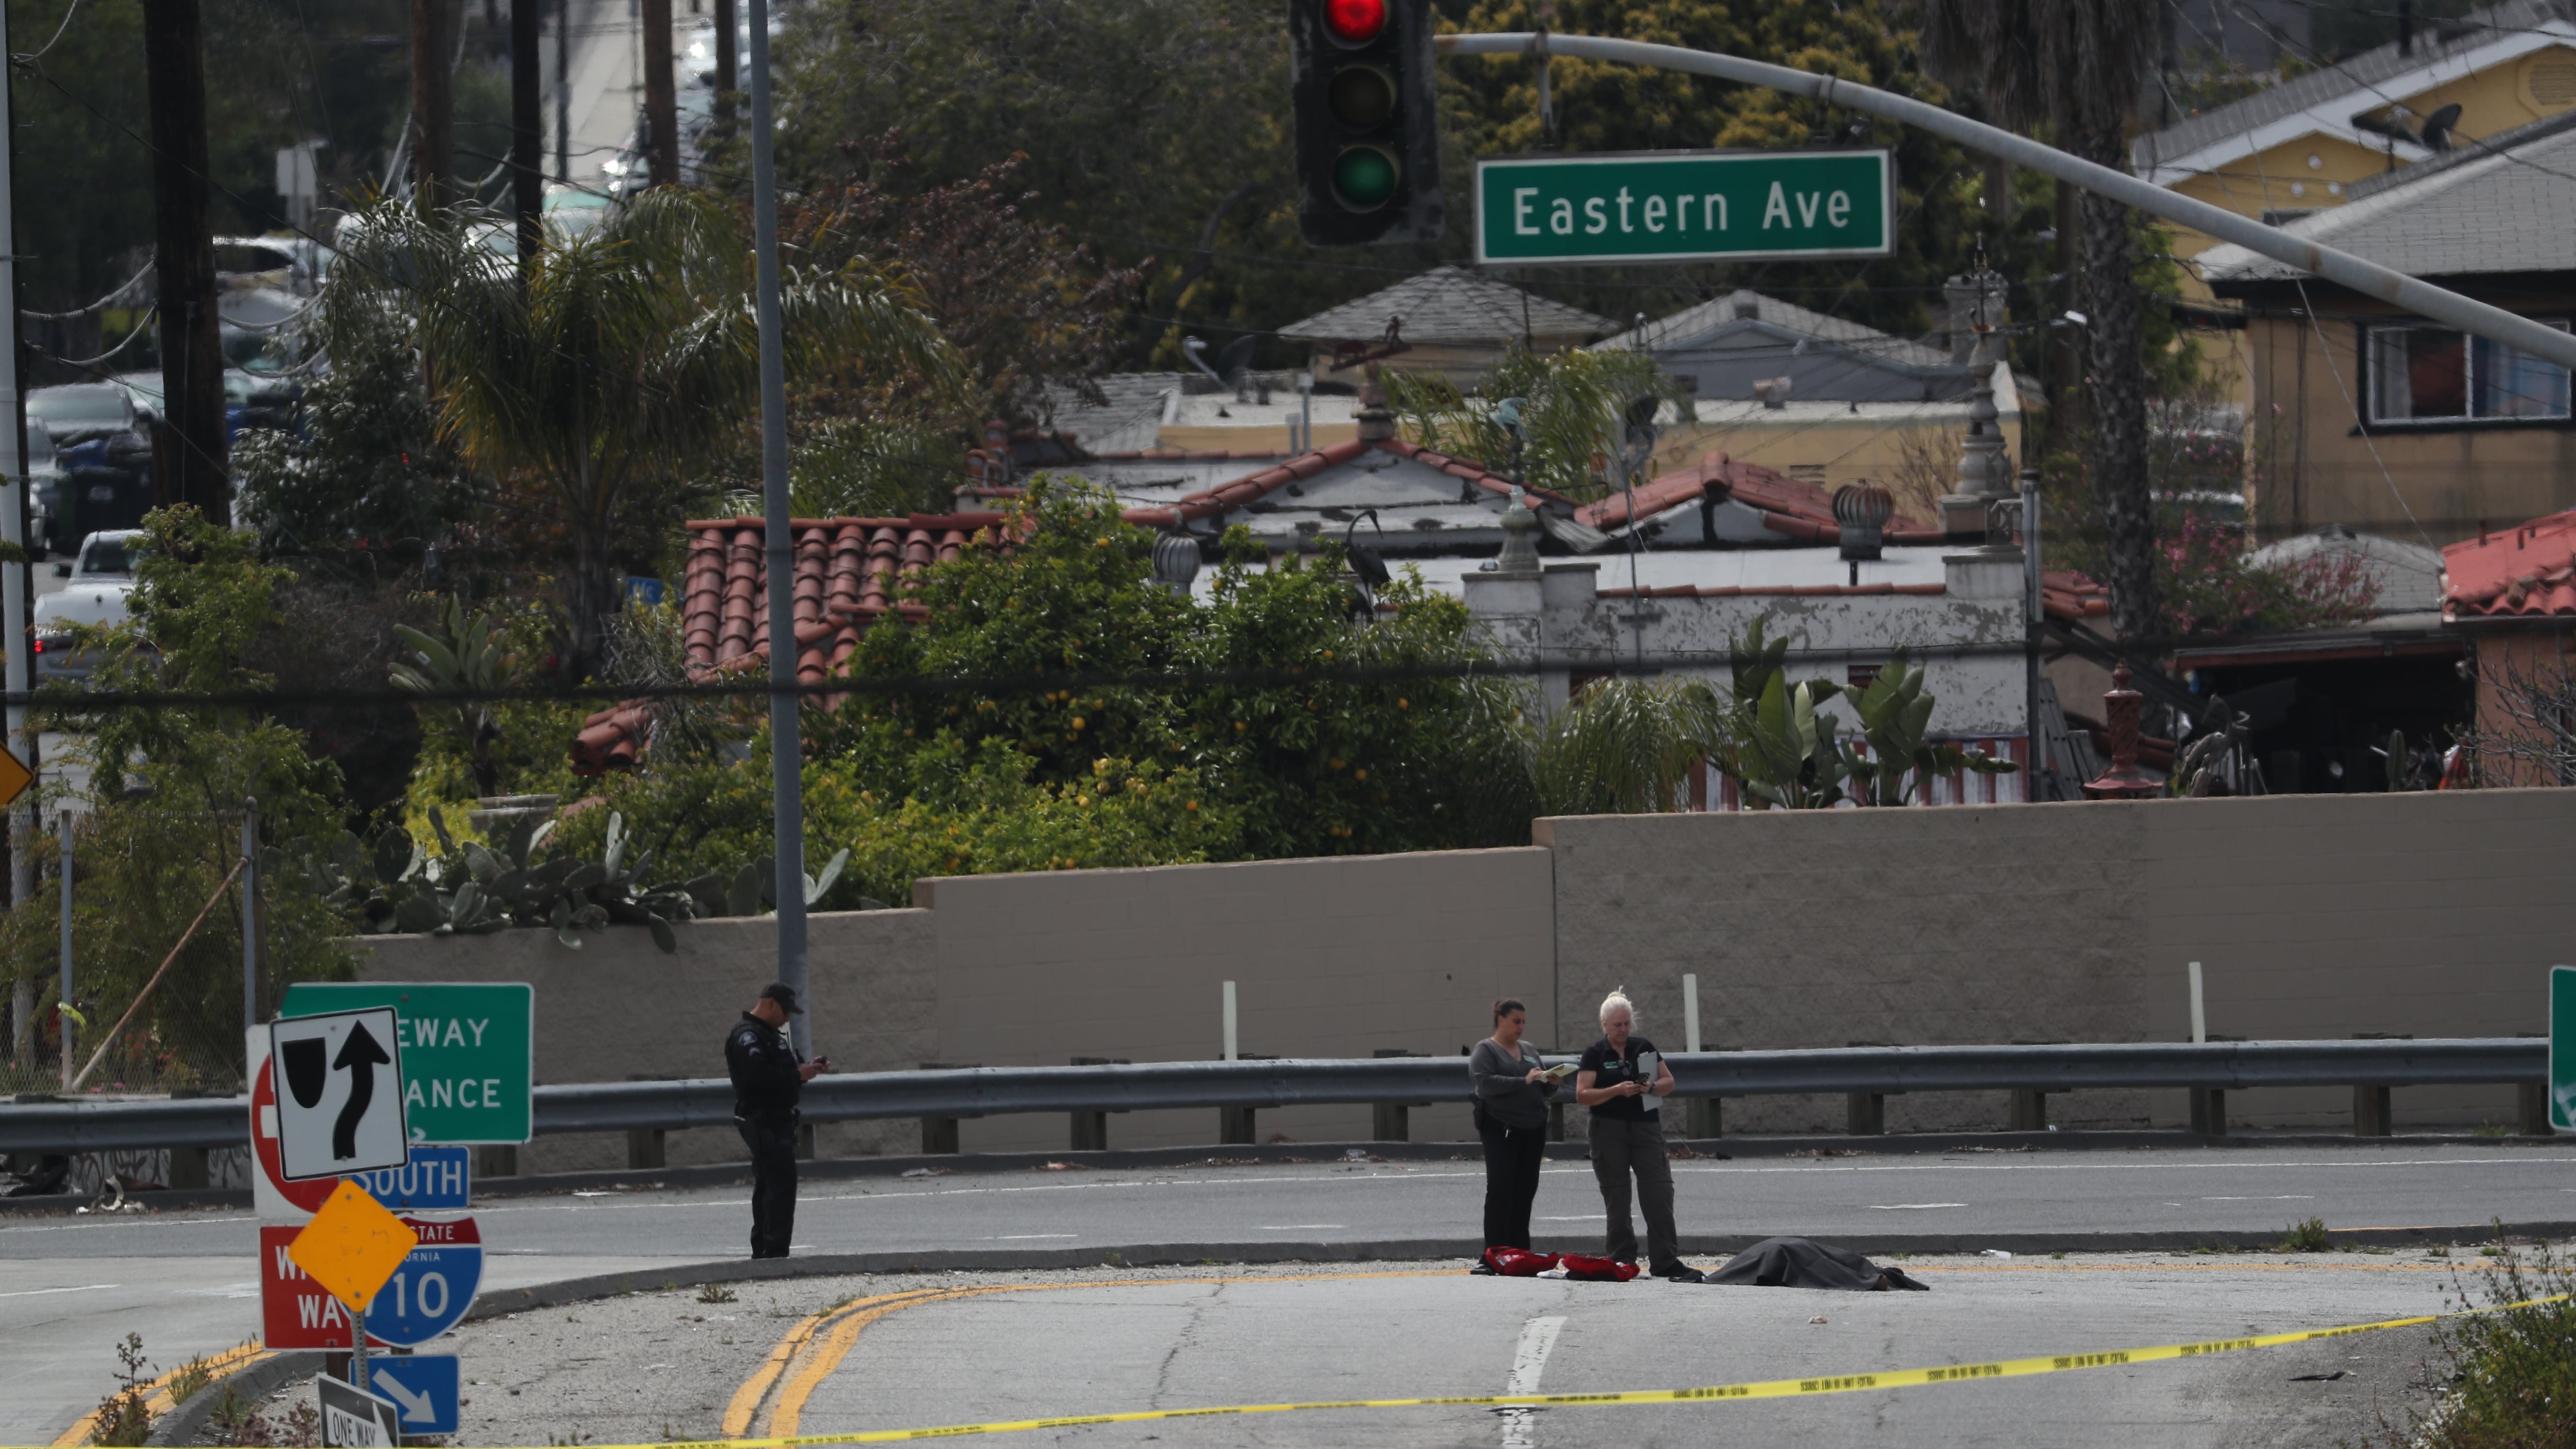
<point x="77" y="412"/>
<point x="99" y="593"/>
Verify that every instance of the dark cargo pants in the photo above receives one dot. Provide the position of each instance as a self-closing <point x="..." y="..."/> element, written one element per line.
<point x="1621" y="1146"/>
<point x="772" y="1140"/>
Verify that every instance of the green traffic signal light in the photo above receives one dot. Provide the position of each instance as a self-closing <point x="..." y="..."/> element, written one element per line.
<point x="1364" y="177"/>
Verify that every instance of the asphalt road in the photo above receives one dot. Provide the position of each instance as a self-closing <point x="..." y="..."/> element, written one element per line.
<point x="977" y="1347"/>
<point x="183" y="1279"/>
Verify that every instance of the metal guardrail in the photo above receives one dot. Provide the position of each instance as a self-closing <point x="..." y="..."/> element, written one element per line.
<point x="1001" y="1091"/>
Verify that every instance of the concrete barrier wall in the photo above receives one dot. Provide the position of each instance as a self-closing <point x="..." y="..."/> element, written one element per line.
<point x="2314" y="916"/>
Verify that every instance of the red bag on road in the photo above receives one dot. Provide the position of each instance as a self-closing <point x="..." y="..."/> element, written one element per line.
<point x="1596" y="1270"/>
<point x="1518" y="1262"/>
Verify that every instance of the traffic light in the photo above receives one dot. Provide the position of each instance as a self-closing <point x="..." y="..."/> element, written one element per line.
<point x="1368" y="123"/>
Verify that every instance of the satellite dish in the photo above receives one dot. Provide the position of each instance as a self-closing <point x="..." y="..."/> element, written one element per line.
<point x="2437" y="127"/>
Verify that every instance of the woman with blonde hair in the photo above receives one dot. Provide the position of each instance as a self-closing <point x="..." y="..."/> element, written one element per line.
<point x="1623" y="1080"/>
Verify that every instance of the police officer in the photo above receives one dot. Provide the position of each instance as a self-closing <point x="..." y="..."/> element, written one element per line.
<point x="768" y="1076"/>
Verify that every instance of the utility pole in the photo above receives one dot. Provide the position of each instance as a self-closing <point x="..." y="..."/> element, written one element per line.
<point x="661" y="105"/>
<point x="188" y="446"/>
<point x="786" y="753"/>
<point x="527" y="132"/>
<point x="14" y="581"/>
<point x="433" y="103"/>
<point x="728" y="68"/>
<point x="563" y="91"/>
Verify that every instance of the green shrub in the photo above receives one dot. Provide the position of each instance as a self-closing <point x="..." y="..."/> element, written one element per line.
<point x="2509" y="1374"/>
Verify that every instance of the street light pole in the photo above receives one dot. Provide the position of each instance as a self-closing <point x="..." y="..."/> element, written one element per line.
<point x="786" y="756"/>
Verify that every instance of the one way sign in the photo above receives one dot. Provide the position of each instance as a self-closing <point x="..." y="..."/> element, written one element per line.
<point x="339" y="1094"/>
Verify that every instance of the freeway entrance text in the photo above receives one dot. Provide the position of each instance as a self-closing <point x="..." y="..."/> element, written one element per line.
<point x="1684" y="206"/>
<point x="467" y="1051"/>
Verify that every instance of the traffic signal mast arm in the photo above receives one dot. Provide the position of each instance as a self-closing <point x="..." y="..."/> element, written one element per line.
<point x="2342" y="268"/>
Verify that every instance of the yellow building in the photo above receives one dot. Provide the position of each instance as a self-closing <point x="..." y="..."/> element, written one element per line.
<point x="2300" y="146"/>
<point x="2388" y="422"/>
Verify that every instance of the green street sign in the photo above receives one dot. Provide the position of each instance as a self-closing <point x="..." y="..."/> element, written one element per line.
<point x="468" y="1051"/>
<point x="2562" y="1048"/>
<point x="1685" y="206"/>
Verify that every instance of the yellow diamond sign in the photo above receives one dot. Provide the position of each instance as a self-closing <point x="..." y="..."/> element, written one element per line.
<point x="15" y="777"/>
<point x="352" y="1245"/>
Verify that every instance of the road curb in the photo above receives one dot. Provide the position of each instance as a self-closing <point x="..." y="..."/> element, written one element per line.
<point x="502" y="1302"/>
<point x="185" y="1421"/>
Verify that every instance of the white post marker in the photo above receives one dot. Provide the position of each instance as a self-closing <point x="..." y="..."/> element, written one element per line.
<point x="339" y="1094"/>
<point x="2199" y="1015"/>
<point x="1230" y="1037"/>
<point x="1690" y="1010"/>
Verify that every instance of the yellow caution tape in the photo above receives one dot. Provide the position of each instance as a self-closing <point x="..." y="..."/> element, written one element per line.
<point x="1763" y="1389"/>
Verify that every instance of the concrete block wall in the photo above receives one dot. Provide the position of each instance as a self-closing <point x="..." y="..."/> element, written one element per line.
<point x="2313" y="916"/>
<point x="1338" y="957"/>
<point x="619" y="1010"/>
<point x="1960" y="925"/>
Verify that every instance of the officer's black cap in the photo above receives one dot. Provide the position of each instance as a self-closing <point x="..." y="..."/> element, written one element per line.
<point x="784" y="995"/>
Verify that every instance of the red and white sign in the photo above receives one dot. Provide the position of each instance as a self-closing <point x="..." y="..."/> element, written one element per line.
<point x="296" y="1312"/>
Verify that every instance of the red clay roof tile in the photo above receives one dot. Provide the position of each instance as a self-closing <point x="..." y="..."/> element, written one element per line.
<point x="2526" y="572"/>
<point x="849" y="572"/>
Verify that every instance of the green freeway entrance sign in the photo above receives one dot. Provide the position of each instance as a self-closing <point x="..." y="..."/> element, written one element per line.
<point x="2562" y="1048"/>
<point x="468" y="1051"/>
<point x="1685" y="206"/>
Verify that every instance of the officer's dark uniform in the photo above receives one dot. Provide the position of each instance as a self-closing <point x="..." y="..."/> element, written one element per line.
<point x="766" y="1084"/>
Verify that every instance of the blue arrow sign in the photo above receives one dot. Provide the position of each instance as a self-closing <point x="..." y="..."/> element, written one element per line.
<point x="423" y="1387"/>
<point x="436" y="1179"/>
<point x="430" y="1292"/>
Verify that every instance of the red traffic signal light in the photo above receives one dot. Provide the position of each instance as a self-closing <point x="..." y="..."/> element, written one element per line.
<point x="1355" y="22"/>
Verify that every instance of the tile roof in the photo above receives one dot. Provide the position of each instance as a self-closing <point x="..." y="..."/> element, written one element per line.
<point x="2407" y="577"/>
<point x="849" y="573"/>
<point x="2068" y="595"/>
<point x="1692" y="323"/>
<point x="2527" y="572"/>
<point x="1799" y="510"/>
<point x="2510" y="212"/>
<point x="1447" y="304"/>
<point x="2357" y="82"/>
<point x="1253" y="487"/>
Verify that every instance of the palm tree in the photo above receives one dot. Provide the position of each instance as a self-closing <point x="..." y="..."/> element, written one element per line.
<point x="620" y="364"/>
<point x="2079" y="67"/>
<point x="1626" y="746"/>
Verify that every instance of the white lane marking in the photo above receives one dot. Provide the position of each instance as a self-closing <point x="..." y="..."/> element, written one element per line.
<point x="1899" y="1207"/>
<point x="1596" y="1217"/>
<point x="1538" y="1339"/>
<point x="39" y="1292"/>
<point x="1030" y="1237"/>
<point x="2278" y="1197"/>
<point x="1295" y="1227"/>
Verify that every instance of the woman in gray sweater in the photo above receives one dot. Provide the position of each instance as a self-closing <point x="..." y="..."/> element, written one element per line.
<point x="1512" y="1092"/>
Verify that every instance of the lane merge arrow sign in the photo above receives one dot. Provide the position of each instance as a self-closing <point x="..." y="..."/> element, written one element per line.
<point x="338" y="1079"/>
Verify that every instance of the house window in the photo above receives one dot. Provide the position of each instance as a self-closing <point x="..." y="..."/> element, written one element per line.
<point x="2432" y="374"/>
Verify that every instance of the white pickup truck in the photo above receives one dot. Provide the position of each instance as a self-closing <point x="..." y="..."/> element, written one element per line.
<point x="101" y="582"/>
